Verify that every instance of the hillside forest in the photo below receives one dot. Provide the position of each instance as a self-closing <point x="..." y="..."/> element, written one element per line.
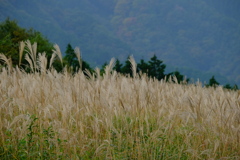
<point x="198" y="38"/>
<point x="12" y="35"/>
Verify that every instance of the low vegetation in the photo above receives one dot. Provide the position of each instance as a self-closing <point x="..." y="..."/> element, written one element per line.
<point x="45" y="114"/>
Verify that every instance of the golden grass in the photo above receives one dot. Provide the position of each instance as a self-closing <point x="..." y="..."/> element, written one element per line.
<point x="115" y="117"/>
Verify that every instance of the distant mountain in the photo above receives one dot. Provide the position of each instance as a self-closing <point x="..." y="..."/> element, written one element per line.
<point x="80" y="23"/>
<point x="199" y="38"/>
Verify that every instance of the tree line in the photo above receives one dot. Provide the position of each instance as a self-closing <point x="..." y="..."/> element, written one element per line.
<point x="11" y="34"/>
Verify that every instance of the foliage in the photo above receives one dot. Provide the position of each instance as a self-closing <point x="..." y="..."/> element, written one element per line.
<point x="213" y="82"/>
<point x="156" y="68"/>
<point x="228" y="86"/>
<point x="118" y="66"/>
<point x="126" y="69"/>
<point x="72" y="61"/>
<point x="153" y="68"/>
<point x="10" y="36"/>
<point x="178" y="76"/>
<point x="12" y="33"/>
<point x="38" y="143"/>
<point x="143" y="66"/>
<point x="70" y="58"/>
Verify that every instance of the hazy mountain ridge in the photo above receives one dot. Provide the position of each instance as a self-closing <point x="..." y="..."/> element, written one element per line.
<point x="199" y="35"/>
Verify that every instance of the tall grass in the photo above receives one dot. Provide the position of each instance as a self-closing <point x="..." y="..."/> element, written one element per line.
<point x="65" y="116"/>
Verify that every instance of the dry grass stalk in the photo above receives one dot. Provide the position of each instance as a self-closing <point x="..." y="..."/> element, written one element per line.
<point x="21" y="49"/>
<point x="78" y="55"/>
<point x="42" y="62"/>
<point x="4" y="59"/>
<point x="133" y="66"/>
<point x="57" y="51"/>
<point x="53" y="57"/>
<point x="108" y="69"/>
<point x="31" y="54"/>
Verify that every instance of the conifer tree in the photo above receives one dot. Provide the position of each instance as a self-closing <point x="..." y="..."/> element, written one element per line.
<point x="143" y="66"/>
<point x="213" y="82"/>
<point x="126" y="69"/>
<point x="156" y="68"/>
<point x="118" y="66"/>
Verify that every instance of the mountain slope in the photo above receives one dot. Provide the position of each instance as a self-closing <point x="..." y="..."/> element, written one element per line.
<point x="183" y="33"/>
<point x="199" y="38"/>
<point x="78" y="23"/>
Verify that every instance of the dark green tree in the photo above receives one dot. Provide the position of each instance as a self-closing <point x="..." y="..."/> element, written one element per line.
<point x="86" y="66"/>
<point x="143" y="66"/>
<point x="156" y="68"/>
<point x="213" y="82"/>
<point x="178" y="75"/>
<point x="70" y="57"/>
<point x="71" y="61"/>
<point x="118" y="66"/>
<point x="44" y="45"/>
<point x="235" y="87"/>
<point x="126" y="69"/>
<point x="10" y="36"/>
<point x="102" y="70"/>
<point x="227" y="86"/>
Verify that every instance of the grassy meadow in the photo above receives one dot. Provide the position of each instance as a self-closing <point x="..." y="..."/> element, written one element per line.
<point x="51" y="115"/>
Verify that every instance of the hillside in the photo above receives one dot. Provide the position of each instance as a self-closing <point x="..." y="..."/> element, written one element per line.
<point x="199" y="38"/>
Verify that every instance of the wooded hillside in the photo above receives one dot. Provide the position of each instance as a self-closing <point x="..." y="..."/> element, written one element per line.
<point x="199" y="38"/>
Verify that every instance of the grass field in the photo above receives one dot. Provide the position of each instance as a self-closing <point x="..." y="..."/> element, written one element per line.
<point x="50" y="115"/>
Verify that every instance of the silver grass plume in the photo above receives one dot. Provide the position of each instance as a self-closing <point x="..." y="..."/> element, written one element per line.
<point x="97" y="71"/>
<point x="53" y="57"/>
<point x="4" y="59"/>
<point x="32" y="52"/>
<point x="21" y="48"/>
<point x="78" y="55"/>
<point x="29" y="61"/>
<point x="57" y="51"/>
<point x="109" y="67"/>
<point x="42" y="62"/>
<point x="89" y="74"/>
<point x="133" y="66"/>
<point x="175" y="79"/>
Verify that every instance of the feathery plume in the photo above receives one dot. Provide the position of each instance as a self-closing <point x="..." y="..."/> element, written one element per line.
<point x="78" y="55"/>
<point x="89" y="74"/>
<point x="97" y="71"/>
<point x="29" y="61"/>
<point x="4" y="59"/>
<point x="53" y="57"/>
<point x="42" y="62"/>
<point x="133" y="66"/>
<point x="57" y="51"/>
<point x="21" y="48"/>
<point x="32" y="52"/>
<point x="109" y="67"/>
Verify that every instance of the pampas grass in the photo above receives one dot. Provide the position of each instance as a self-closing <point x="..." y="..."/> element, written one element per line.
<point x="133" y="66"/>
<point x="21" y="49"/>
<point x="114" y="117"/>
<point x="57" y="51"/>
<point x="7" y="61"/>
<point x="78" y="55"/>
<point x="31" y="55"/>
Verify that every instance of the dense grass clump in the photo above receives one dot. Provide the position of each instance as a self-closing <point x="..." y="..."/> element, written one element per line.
<point x="51" y="115"/>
